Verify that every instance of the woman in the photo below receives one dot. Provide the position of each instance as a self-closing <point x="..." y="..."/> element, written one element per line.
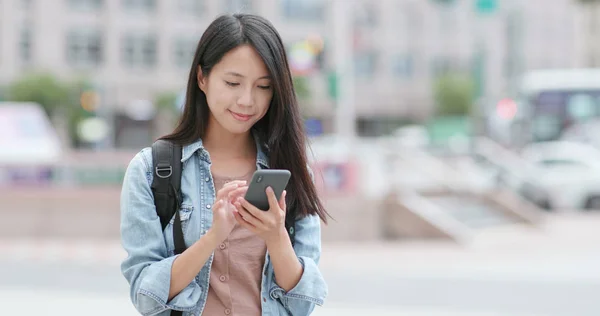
<point x="240" y="115"/>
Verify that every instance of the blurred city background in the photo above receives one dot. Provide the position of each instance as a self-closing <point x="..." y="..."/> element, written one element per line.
<point x="455" y="142"/>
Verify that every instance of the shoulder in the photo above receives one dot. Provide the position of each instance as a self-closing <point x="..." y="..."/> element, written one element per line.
<point x="142" y="160"/>
<point x="140" y="166"/>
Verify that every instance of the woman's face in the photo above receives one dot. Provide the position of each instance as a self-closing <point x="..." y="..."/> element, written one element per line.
<point x="238" y="90"/>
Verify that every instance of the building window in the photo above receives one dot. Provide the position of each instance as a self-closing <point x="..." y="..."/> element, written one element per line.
<point x="308" y="10"/>
<point x="140" y="5"/>
<point x="25" y="45"/>
<point x="183" y="53"/>
<point x="86" y="5"/>
<point x="441" y="65"/>
<point x="191" y="7"/>
<point x="26" y="4"/>
<point x="366" y="15"/>
<point x="403" y="66"/>
<point x="365" y="63"/>
<point x="245" y="6"/>
<point x="84" y="48"/>
<point x="139" y="51"/>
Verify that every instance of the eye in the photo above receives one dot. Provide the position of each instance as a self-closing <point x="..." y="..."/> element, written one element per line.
<point x="265" y="87"/>
<point x="232" y="84"/>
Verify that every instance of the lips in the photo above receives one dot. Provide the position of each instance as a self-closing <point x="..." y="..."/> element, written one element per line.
<point x="240" y="117"/>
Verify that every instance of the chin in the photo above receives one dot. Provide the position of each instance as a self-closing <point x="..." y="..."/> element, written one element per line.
<point x="239" y="129"/>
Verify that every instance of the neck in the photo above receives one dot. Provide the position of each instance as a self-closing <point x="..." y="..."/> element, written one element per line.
<point x="222" y="143"/>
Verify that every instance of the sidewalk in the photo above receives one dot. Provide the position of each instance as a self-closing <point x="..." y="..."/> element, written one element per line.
<point x="562" y="236"/>
<point x="565" y="247"/>
<point x="73" y="303"/>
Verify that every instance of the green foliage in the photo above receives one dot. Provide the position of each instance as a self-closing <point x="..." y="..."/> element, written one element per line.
<point x="454" y="94"/>
<point x="42" y="88"/>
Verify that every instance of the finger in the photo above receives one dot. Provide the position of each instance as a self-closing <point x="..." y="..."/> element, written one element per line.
<point x="217" y="205"/>
<point x="252" y="209"/>
<point x="273" y="205"/>
<point x="247" y="216"/>
<point x="235" y="182"/>
<point x="243" y="223"/>
<point x="233" y="195"/>
<point x="282" y="204"/>
<point x="228" y="188"/>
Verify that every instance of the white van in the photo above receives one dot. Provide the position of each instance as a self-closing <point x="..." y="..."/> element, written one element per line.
<point x="29" y="145"/>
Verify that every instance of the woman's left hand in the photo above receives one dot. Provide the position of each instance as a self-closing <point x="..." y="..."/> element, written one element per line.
<point x="268" y="225"/>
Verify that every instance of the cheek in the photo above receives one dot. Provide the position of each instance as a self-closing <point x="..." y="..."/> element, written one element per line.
<point x="265" y="103"/>
<point x="218" y="99"/>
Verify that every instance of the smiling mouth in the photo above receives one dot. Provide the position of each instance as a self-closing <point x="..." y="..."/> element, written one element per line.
<point x="240" y="117"/>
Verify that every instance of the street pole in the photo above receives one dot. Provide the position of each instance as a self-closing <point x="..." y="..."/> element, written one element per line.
<point x="592" y="32"/>
<point x="345" y="115"/>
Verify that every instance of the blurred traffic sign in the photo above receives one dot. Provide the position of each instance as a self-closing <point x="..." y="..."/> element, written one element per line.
<point x="486" y="6"/>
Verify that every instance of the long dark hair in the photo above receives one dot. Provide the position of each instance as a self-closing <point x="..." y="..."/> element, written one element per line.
<point x="281" y="129"/>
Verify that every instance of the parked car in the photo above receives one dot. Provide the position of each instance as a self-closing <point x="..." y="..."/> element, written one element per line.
<point x="566" y="175"/>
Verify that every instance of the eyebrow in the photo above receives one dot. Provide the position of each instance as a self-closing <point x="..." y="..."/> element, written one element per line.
<point x="242" y="76"/>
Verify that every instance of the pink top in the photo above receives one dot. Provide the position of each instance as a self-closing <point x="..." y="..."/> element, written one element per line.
<point x="236" y="273"/>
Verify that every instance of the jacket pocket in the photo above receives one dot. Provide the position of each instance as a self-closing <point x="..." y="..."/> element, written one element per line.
<point x="185" y="211"/>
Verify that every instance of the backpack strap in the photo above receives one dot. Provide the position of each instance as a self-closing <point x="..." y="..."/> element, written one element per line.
<point x="166" y="169"/>
<point x="290" y="226"/>
<point x="166" y="188"/>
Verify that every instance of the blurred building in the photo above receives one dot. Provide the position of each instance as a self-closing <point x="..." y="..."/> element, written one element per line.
<point x="132" y="49"/>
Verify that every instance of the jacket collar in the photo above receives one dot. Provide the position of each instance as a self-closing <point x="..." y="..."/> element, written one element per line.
<point x="262" y="158"/>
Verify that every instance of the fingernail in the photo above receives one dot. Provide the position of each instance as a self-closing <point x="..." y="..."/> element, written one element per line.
<point x="269" y="189"/>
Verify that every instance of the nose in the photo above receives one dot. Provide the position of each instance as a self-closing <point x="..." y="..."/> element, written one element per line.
<point x="247" y="98"/>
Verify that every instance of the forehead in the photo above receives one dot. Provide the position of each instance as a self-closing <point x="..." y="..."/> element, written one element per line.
<point x="243" y="60"/>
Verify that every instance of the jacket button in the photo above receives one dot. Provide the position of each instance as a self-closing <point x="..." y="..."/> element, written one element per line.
<point x="222" y="246"/>
<point x="223" y="278"/>
<point x="227" y="311"/>
<point x="207" y="179"/>
<point x="208" y="206"/>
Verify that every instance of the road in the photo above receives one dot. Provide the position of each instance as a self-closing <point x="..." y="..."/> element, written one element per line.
<point x="544" y="273"/>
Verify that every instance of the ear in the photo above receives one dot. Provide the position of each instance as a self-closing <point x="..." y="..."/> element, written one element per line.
<point x="202" y="80"/>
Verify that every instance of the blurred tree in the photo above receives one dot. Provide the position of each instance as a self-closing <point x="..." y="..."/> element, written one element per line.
<point x="81" y="105"/>
<point x="167" y="112"/>
<point x="445" y="2"/>
<point x="454" y="94"/>
<point x="166" y="101"/>
<point x="303" y="93"/>
<point x="42" y="88"/>
<point x="302" y="88"/>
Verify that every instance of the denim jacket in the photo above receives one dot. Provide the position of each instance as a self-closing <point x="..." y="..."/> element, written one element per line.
<point x="150" y="250"/>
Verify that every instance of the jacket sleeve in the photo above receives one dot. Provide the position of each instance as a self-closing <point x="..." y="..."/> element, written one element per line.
<point x="147" y="267"/>
<point x="312" y="289"/>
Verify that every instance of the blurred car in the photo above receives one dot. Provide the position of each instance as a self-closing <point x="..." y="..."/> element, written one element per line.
<point x="492" y="166"/>
<point x="29" y="145"/>
<point x="413" y="136"/>
<point x="566" y="175"/>
<point x="587" y="132"/>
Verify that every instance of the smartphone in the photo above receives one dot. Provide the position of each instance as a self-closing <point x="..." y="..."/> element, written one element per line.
<point x="277" y="179"/>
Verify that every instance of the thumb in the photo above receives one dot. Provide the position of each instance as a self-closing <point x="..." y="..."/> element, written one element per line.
<point x="282" y="203"/>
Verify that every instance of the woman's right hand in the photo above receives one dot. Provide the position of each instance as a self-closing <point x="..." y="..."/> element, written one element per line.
<point x="223" y="208"/>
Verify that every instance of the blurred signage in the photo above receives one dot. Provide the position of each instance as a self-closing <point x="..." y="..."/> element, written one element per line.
<point x="304" y="55"/>
<point x="336" y="177"/>
<point x="486" y="6"/>
<point x="313" y="127"/>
